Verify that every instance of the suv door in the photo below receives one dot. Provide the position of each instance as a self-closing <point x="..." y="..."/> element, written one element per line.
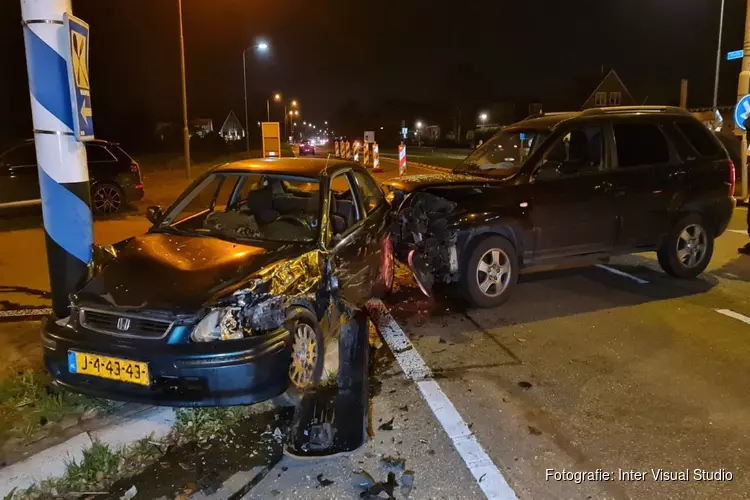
<point x="647" y="172"/>
<point x="572" y="205"/>
<point x="19" y="178"/>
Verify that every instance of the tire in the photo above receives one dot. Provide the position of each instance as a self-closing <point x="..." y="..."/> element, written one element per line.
<point x="687" y="249"/>
<point x="384" y="283"/>
<point x="307" y="340"/>
<point x="107" y="198"/>
<point x="505" y="271"/>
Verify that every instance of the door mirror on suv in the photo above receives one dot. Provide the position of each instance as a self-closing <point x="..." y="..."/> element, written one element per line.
<point x="153" y="214"/>
<point x="548" y="171"/>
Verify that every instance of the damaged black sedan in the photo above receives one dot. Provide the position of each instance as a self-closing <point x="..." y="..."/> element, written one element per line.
<point x="234" y="294"/>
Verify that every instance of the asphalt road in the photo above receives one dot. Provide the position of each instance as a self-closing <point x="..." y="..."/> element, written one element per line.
<point x="581" y="370"/>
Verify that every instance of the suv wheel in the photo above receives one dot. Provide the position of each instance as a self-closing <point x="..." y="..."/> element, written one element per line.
<point x="107" y="198"/>
<point x="490" y="272"/>
<point x="687" y="249"/>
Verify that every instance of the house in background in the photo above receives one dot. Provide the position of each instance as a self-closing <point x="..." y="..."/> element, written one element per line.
<point x="232" y="130"/>
<point x="201" y="127"/>
<point x="610" y="92"/>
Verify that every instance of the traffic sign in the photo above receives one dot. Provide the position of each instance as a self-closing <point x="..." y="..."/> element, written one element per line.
<point x="742" y="112"/>
<point x="77" y="32"/>
<point x="735" y="54"/>
<point x="369" y="136"/>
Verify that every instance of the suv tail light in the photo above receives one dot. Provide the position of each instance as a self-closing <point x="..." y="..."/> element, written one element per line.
<point x="732" y="178"/>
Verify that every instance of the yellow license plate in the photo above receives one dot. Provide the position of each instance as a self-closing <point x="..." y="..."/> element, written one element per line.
<point x="123" y="370"/>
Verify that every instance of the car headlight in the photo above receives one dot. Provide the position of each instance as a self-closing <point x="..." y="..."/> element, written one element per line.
<point x="219" y="324"/>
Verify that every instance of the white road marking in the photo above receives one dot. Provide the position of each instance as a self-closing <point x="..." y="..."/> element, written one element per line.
<point x="620" y="273"/>
<point x="732" y="314"/>
<point x="20" y="313"/>
<point x="488" y="476"/>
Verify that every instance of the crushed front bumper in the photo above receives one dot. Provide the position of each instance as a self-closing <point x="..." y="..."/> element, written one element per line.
<point x="218" y="373"/>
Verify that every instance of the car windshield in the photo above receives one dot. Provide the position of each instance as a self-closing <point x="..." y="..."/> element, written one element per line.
<point x="505" y="151"/>
<point x="236" y="207"/>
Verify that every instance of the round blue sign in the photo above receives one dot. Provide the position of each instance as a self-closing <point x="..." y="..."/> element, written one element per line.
<point x="742" y="112"/>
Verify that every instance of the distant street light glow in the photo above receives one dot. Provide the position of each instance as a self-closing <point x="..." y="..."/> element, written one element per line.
<point x="483" y="117"/>
<point x="294" y="103"/>
<point x="277" y="97"/>
<point x="262" y="46"/>
<point x="419" y="124"/>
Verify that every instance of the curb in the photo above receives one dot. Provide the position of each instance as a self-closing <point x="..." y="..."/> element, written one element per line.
<point x="52" y="462"/>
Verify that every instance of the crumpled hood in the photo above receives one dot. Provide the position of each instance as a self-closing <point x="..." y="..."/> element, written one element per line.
<point x="409" y="183"/>
<point x="179" y="273"/>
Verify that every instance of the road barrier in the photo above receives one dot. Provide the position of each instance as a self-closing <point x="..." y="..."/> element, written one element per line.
<point x="366" y="154"/>
<point x="347" y="150"/>
<point x="356" y="151"/>
<point x="402" y="159"/>
<point x="376" y="158"/>
<point x="336" y="151"/>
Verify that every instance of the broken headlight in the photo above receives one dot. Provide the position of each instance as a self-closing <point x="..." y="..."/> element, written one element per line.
<point x="219" y="324"/>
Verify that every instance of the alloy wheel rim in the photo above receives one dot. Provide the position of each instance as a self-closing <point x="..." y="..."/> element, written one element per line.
<point x="304" y="356"/>
<point x="107" y="200"/>
<point x="692" y="245"/>
<point x="493" y="272"/>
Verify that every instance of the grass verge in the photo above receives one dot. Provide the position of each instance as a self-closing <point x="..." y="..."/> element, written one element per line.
<point x="30" y="404"/>
<point x="102" y="466"/>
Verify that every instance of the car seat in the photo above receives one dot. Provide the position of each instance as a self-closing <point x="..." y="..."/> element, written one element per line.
<point x="260" y="204"/>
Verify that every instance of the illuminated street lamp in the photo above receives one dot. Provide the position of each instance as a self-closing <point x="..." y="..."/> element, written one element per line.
<point x="419" y="125"/>
<point x="419" y="133"/>
<point x="294" y="103"/>
<point x="483" y="117"/>
<point x="260" y="47"/>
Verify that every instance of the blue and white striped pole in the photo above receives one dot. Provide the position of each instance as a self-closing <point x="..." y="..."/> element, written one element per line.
<point x="63" y="173"/>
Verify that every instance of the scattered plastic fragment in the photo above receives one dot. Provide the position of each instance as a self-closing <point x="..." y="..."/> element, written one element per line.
<point x="131" y="493"/>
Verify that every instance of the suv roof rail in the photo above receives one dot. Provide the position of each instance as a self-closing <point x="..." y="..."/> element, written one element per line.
<point x="548" y="113"/>
<point x="636" y="109"/>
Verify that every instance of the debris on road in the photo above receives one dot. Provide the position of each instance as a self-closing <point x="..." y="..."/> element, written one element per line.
<point x="131" y="493"/>
<point x="323" y="482"/>
<point x="393" y="464"/>
<point x="386" y="426"/>
<point x="524" y="385"/>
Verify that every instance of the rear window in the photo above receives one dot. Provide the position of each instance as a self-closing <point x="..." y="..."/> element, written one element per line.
<point x="98" y="154"/>
<point x="700" y="138"/>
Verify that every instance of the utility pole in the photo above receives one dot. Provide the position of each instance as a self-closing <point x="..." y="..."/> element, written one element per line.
<point x="185" y="130"/>
<point x="63" y="173"/>
<point x="743" y="88"/>
<point x="718" y="57"/>
<point x="244" y="79"/>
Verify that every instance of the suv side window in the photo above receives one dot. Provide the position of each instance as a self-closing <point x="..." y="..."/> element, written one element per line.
<point x="700" y="138"/>
<point x="640" y="144"/>
<point x="98" y="154"/>
<point x="580" y="151"/>
<point x="369" y="192"/>
<point x="21" y="156"/>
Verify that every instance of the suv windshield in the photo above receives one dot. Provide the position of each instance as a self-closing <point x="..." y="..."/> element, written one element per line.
<point x="239" y="207"/>
<point x="505" y="151"/>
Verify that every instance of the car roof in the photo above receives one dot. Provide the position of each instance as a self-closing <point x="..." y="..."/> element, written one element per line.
<point x="549" y="121"/>
<point x="99" y="142"/>
<point x="304" y="167"/>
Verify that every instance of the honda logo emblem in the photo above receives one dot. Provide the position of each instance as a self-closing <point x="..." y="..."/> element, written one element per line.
<point x="123" y="324"/>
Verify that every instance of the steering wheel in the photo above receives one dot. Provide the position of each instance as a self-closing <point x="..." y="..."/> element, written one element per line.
<point x="295" y="220"/>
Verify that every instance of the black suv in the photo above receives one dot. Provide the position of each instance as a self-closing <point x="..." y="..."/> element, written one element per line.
<point x="114" y="176"/>
<point x="564" y="189"/>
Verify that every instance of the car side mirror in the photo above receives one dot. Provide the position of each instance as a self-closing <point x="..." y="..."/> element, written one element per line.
<point x="154" y="214"/>
<point x="548" y="171"/>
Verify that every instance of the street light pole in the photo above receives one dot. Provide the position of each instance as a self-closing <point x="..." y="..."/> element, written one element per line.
<point x="247" y="119"/>
<point x="185" y="130"/>
<point x="268" y="109"/>
<point x="718" y="56"/>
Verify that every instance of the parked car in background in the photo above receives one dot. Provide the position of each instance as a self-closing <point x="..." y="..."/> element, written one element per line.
<point x="567" y="189"/>
<point x="114" y="176"/>
<point x="306" y="147"/>
<point x="233" y="294"/>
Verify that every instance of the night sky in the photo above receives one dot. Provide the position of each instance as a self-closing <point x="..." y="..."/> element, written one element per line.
<point x="326" y="53"/>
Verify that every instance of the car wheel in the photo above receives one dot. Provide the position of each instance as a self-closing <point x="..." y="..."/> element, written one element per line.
<point x="306" y="365"/>
<point x="687" y="248"/>
<point x="384" y="284"/>
<point x="107" y="198"/>
<point x="490" y="272"/>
